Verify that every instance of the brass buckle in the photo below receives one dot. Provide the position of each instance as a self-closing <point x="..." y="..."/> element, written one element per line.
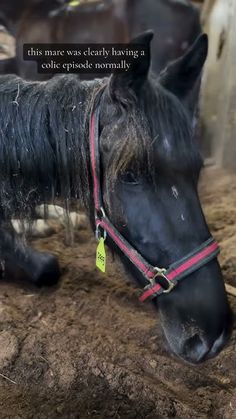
<point x="162" y="273"/>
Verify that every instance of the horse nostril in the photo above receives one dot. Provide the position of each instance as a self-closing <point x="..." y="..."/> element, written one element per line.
<point x="195" y="349"/>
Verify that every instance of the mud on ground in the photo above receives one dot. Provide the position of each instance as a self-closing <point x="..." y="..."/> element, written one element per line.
<point x="88" y="348"/>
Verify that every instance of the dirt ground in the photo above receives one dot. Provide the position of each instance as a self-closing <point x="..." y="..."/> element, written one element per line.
<point x="88" y="348"/>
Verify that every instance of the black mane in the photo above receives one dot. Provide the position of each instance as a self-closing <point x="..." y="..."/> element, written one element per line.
<point x="44" y="147"/>
<point x="43" y="141"/>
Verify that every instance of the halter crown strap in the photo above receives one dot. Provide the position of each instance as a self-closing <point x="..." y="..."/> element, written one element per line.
<point x="155" y="276"/>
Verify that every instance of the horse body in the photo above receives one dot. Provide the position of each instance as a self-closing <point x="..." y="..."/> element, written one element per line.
<point x="150" y="169"/>
<point x="177" y="24"/>
<point x="86" y="24"/>
<point x="46" y="22"/>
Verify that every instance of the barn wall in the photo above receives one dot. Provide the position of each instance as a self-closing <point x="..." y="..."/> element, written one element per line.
<point x="218" y="106"/>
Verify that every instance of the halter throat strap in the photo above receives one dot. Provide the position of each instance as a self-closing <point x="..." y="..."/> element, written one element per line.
<point x="159" y="280"/>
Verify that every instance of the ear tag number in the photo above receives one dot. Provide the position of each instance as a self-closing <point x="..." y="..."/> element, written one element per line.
<point x="101" y="255"/>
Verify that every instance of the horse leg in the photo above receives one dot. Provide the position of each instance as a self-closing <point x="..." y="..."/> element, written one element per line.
<point x="39" y="267"/>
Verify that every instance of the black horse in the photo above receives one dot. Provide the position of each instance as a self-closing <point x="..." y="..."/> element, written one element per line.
<point x="150" y="167"/>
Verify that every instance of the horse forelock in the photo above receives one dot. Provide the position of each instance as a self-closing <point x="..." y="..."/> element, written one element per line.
<point x="156" y="131"/>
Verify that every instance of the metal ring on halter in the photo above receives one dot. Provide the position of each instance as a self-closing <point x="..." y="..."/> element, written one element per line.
<point x="98" y="233"/>
<point x="161" y="272"/>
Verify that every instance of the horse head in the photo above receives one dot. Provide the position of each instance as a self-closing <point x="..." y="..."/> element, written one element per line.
<point x="150" y="166"/>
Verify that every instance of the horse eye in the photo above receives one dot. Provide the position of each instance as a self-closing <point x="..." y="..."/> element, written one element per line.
<point x="129" y="177"/>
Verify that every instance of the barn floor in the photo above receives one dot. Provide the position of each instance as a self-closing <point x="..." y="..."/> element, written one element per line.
<point x="87" y="348"/>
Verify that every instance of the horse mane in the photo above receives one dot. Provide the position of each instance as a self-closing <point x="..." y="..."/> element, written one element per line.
<point x="44" y="147"/>
<point x="44" y="150"/>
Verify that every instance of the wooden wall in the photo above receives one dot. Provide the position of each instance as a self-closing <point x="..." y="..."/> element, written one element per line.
<point x="218" y="104"/>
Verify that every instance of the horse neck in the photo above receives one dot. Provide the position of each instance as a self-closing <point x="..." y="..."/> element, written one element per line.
<point x="44" y="140"/>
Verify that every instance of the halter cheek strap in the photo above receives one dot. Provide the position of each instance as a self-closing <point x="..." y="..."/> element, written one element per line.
<point x="159" y="280"/>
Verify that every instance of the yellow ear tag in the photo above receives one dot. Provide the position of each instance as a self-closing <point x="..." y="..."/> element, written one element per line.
<point x="101" y="255"/>
<point x="74" y="3"/>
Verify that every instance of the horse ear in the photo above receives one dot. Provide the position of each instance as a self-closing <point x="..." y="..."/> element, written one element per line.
<point x="127" y="84"/>
<point x="182" y="76"/>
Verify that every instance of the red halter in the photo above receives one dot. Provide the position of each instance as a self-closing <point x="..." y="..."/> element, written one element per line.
<point x="171" y="275"/>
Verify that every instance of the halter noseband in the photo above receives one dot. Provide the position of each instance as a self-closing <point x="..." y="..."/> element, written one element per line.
<point x="169" y="276"/>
